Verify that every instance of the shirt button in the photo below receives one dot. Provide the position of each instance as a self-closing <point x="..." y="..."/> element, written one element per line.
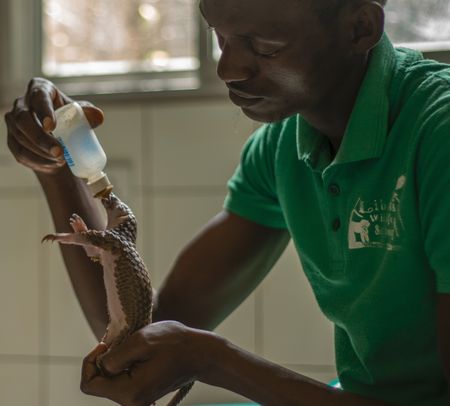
<point x="336" y="225"/>
<point x="334" y="189"/>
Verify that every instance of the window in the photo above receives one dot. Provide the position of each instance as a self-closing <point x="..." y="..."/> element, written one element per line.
<point x="419" y="24"/>
<point x="114" y="36"/>
<point x="125" y="46"/>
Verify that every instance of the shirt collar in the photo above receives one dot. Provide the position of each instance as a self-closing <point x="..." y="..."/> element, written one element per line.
<point x="368" y="125"/>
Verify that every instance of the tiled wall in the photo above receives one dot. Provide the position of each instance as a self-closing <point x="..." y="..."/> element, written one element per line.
<point x="170" y="162"/>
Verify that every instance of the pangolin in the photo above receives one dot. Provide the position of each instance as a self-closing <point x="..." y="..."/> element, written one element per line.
<point x="127" y="282"/>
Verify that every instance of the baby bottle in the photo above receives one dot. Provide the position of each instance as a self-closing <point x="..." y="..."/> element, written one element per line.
<point x="82" y="150"/>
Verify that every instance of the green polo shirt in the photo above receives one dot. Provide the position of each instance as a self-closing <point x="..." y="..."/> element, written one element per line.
<point x="372" y="225"/>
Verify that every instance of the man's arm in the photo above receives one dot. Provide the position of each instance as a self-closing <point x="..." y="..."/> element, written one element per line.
<point x="167" y="355"/>
<point x="29" y="125"/>
<point x="270" y="384"/>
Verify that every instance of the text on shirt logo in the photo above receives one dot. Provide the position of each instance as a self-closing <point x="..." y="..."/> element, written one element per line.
<point x="377" y="223"/>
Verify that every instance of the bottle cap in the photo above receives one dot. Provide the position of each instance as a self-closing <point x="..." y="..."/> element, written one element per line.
<point x="100" y="187"/>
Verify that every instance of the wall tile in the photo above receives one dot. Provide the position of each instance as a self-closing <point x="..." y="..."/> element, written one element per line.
<point x="295" y="331"/>
<point x="195" y="145"/>
<point x="64" y="387"/>
<point x="19" y="384"/>
<point x="175" y="219"/>
<point x="13" y="174"/>
<point x="120" y="136"/>
<point x="239" y="327"/>
<point x="19" y="276"/>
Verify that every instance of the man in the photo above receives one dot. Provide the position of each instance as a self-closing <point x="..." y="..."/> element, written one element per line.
<point x="353" y="166"/>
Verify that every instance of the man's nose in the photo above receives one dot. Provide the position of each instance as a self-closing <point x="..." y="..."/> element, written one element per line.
<point x="235" y="63"/>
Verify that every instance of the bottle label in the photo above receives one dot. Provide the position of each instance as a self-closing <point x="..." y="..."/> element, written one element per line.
<point x="67" y="156"/>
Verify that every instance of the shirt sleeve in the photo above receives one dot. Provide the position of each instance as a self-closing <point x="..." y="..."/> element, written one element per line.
<point x="252" y="191"/>
<point x="433" y="174"/>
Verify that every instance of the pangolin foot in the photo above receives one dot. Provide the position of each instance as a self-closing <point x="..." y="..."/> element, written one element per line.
<point x="77" y="223"/>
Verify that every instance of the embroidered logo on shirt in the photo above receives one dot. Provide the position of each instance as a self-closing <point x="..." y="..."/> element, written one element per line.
<point x="377" y="223"/>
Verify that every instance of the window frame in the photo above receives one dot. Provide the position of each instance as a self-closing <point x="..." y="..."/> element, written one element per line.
<point x="21" y="46"/>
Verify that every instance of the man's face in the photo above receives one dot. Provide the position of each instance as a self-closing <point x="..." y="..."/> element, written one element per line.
<point x="277" y="58"/>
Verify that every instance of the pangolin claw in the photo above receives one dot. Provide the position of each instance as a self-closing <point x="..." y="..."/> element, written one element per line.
<point x="74" y="217"/>
<point x="48" y="237"/>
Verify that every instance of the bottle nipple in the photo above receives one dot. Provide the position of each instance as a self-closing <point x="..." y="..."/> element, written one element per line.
<point x="100" y="187"/>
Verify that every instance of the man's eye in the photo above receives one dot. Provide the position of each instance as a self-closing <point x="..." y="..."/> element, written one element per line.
<point x="261" y="50"/>
<point x="267" y="53"/>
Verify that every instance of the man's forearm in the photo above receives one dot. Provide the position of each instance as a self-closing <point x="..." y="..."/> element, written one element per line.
<point x="268" y="384"/>
<point x="66" y="195"/>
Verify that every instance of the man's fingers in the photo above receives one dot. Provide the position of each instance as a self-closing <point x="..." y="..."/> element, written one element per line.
<point x="90" y="369"/>
<point x="122" y="356"/>
<point x="114" y="389"/>
<point x="31" y="136"/>
<point x="93" y="114"/>
<point x="23" y="129"/>
<point x="92" y="383"/>
<point x="30" y="159"/>
<point x="118" y="389"/>
<point x="43" y="98"/>
<point x="99" y="349"/>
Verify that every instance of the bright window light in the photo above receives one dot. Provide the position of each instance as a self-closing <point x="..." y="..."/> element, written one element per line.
<point x="419" y="24"/>
<point x="104" y="37"/>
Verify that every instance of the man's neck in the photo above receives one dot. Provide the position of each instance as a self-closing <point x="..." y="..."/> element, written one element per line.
<point x="331" y="117"/>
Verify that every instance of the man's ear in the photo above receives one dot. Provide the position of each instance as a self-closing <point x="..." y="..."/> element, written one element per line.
<point x="366" y="24"/>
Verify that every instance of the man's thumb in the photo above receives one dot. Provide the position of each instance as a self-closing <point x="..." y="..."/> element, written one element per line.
<point x="93" y="114"/>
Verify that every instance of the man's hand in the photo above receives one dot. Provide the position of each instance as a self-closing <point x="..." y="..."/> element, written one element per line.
<point x="152" y="362"/>
<point x="31" y="121"/>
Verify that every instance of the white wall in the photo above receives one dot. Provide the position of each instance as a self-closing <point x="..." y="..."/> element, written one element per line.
<point x="170" y="163"/>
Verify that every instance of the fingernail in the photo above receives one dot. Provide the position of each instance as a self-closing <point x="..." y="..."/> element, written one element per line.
<point x="47" y="123"/>
<point x="56" y="151"/>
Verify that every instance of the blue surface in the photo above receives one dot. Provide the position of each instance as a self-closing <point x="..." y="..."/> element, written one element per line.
<point x="335" y="384"/>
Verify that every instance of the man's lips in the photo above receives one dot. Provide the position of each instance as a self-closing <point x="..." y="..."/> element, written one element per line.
<point x="243" y="99"/>
<point x="242" y="94"/>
